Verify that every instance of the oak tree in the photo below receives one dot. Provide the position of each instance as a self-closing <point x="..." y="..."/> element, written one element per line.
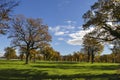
<point x="6" y="7"/>
<point x="92" y="47"/>
<point x="29" y="33"/>
<point x="10" y="53"/>
<point x="104" y="16"/>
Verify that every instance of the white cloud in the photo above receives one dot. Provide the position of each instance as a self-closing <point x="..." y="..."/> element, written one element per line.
<point x="61" y="29"/>
<point x="77" y="37"/>
<point x="74" y="41"/>
<point x="54" y="29"/>
<point x="59" y="33"/>
<point x="69" y="21"/>
<point x="70" y="33"/>
<point x="111" y="45"/>
<point x="69" y="27"/>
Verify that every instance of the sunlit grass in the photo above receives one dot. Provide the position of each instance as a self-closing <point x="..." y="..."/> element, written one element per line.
<point x="58" y="70"/>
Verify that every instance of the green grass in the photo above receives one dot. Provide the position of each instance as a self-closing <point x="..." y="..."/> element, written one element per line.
<point x="41" y="70"/>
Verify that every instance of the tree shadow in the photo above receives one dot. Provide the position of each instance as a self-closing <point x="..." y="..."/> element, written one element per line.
<point x="110" y="67"/>
<point x="27" y="74"/>
<point x="59" y="67"/>
<point x="36" y="74"/>
<point x="93" y="67"/>
<point x="56" y="62"/>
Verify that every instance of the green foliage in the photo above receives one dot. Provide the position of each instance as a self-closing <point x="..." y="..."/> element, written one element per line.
<point x="92" y="47"/>
<point x="92" y="43"/>
<point x="104" y="15"/>
<point x="10" y="53"/>
<point x="75" y="57"/>
<point x="50" y="54"/>
<point x="17" y="70"/>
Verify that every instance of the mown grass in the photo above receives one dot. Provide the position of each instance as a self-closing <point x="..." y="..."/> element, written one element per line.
<point x="41" y="70"/>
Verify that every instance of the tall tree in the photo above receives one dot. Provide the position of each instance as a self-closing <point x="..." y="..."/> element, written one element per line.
<point x="50" y="54"/>
<point x="116" y="48"/>
<point x="10" y="53"/>
<point x="22" y="52"/>
<point x="92" y="47"/>
<point x="104" y="15"/>
<point x="6" y="7"/>
<point x="29" y="33"/>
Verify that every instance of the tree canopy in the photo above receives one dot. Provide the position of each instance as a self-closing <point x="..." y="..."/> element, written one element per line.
<point x="92" y="47"/>
<point x="10" y="53"/>
<point x="104" y="15"/>
<point x="6" y="7"/>
<point x="29" y="33"/>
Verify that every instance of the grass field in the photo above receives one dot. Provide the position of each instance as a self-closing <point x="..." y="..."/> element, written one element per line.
<point x="41" y="70"/>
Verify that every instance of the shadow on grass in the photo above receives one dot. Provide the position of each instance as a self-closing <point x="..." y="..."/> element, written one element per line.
<point x="110" y="67"/>
<point x="56" y="62"/>
<point x="27" y="74"/>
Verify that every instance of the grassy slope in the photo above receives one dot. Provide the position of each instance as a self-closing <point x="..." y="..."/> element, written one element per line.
<point x="17" y="70"/>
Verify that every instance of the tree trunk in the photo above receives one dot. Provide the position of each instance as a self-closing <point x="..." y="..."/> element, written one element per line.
<point x="115" y="58"/>
<point x="21" y="58"/>
<point x="92" y="57"/>
<point x="34" y="59"/>
<point x="44" y="57"/>
<point x="88" y="56"/>
<point x="27" y="58"/>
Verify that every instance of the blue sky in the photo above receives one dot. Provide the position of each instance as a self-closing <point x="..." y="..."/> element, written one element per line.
<point x="64" y="18"/>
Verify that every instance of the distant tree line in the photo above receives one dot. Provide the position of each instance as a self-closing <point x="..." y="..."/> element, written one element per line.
<point x="49" y="54"/>
<point x="83" y="57"/>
